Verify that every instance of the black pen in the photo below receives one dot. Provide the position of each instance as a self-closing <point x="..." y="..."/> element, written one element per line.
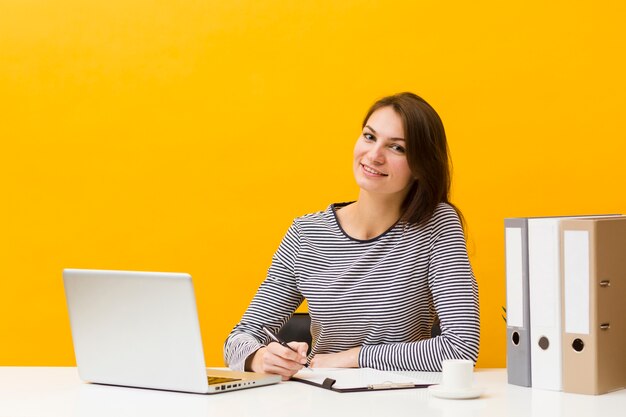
<point x="280" y="341"/>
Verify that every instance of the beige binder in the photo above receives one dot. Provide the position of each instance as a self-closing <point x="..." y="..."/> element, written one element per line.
<point x="593" y="274"/>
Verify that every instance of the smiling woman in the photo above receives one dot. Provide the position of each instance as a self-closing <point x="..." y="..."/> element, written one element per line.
<point x="376" y="272"/>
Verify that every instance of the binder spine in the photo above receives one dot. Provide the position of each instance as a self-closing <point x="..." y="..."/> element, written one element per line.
<point x="545" y="302"/>
<point x="594" y="311"/>
<point x="517" y="302"/>
<point x="579" y="344"/>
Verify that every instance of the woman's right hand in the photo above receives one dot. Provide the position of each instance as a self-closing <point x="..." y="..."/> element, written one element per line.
<point x="277" y="359"/>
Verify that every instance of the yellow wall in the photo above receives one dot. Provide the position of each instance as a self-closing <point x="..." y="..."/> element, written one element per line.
<point x="185" y="136"/>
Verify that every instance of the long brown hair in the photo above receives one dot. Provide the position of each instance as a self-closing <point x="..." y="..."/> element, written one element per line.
<point x="427" y="155"/>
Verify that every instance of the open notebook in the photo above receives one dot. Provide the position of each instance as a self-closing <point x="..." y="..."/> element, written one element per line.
<point x="358" y="379"/>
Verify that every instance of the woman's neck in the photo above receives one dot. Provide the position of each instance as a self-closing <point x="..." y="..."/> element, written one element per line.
<point x="369" y="217"/>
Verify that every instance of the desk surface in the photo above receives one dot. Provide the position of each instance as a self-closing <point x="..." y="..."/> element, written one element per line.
<point x="48" y="391"/>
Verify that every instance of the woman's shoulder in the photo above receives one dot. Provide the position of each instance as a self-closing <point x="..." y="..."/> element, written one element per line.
<point x="445" y="219"/>
<point x="443" y="216"/>
<point x="441" y="212"/>
<point x="444" y="210"/>
<point x="315" y="219"/>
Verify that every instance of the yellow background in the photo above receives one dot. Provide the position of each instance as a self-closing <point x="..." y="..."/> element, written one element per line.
<point x="186" y="136"/>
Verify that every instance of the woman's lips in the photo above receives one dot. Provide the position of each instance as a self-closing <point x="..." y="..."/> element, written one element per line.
<point x="371" y="171"/>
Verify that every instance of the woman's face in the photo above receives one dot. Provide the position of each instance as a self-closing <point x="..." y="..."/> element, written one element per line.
<point x="380" y="164"/>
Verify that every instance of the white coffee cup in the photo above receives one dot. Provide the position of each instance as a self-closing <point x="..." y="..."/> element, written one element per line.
<point x="458" y="374"/>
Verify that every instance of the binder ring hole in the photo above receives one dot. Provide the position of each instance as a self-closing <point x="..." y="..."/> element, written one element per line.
<point x="544" y="343"/>
<point x="515" y="338"/>
<point x="578" y="345"/>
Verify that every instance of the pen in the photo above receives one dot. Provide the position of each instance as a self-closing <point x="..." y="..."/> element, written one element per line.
<point x="396" y="385"/>
<point x="280" y="341"/>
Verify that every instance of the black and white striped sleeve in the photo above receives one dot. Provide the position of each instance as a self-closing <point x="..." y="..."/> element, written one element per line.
<point x="274" y="303"/>
<point x="455" y="298"/>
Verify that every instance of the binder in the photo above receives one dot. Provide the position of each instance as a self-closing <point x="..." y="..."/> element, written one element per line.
<point x="517" y="303"/>
<point x="594" y="304"/>
<point x="358" y="379"/>
<point x="544" y="280"/>
<point x="545" y="302"/>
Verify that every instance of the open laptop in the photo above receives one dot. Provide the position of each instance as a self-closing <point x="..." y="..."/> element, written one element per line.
<point x="141" y="329"/>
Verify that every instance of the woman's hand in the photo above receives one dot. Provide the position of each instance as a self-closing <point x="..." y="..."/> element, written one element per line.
<point x="346" y="359"/>
<point x="277" y="359"/>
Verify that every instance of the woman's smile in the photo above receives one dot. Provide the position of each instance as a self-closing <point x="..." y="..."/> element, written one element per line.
<point x="372" y="172"/>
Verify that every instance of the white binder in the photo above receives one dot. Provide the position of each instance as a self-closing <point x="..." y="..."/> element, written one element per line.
<point x="544" y="276"/>
<point x="545" y="302"/>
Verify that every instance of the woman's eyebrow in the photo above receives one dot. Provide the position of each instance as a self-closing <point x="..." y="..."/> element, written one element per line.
<point x="374" y="132"/>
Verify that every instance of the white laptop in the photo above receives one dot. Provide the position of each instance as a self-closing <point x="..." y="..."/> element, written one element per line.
<point x="141" y="329"/>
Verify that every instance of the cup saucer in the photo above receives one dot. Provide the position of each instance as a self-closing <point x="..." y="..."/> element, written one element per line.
<point x="440" y="391"/>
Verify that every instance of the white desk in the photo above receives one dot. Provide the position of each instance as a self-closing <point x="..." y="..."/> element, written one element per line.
<point x="41" y="391"/>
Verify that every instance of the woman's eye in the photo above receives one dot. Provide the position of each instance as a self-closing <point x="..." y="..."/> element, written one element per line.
<point x="398" y="148"/>
<point x="368" y="136"/>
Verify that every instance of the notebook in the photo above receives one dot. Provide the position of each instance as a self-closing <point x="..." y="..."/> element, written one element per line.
<point x="141" y="329"/>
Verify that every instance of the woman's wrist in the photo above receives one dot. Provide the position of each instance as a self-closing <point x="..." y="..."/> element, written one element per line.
<point x="346" y="359"/>
<point x="354" y="357"/>
<point x="253" y="360"/>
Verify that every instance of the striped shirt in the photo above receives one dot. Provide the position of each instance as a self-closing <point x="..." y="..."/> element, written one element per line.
<point x="382" y="294"/>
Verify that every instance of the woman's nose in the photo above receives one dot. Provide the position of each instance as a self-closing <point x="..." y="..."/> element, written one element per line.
<point x="376" y="155"/>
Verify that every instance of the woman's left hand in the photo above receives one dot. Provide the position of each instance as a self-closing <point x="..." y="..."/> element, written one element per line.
<point x="346" y="359"/>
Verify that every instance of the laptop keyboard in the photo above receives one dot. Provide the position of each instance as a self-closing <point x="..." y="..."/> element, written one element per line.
<point x="220" y="380"/>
